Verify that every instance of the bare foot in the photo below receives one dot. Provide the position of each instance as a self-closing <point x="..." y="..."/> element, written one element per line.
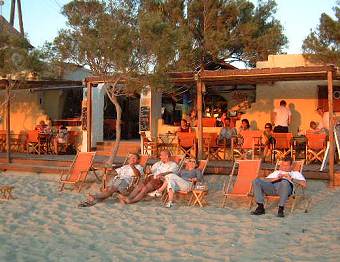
<point x="122" y="199"/>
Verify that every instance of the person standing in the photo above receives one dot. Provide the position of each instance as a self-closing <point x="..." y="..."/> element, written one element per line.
<point x="282" y="117"/>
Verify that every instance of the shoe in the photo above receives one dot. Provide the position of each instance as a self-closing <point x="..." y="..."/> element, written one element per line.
<point x="155" y="194"/>
<point x="258" y="211"/>
<point x="87" y="203"/>
<point x="280" y="212"/>
<point x="169" y="204"/>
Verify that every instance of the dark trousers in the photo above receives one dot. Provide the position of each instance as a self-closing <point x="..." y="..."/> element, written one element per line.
<point x="281" y="129"/>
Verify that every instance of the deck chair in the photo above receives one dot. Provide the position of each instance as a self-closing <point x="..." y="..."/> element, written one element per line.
<point x="212" y="148"/>
<point x="33" y="144"/>
<point x="78" y="171"/>
<point x="248" y="170"/>
<point x="202" y="165"/>
<point x="250" y="142"/>
<point x="187" y="143"/>
<point x="142" y="161"/>
<point x="283" y="145"/>
<point x="6" y="192"/>
<point x="315" y="147"/>
<point x="298" y="192"/>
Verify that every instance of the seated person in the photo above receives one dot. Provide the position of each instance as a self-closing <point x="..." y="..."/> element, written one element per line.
<point x="184" y="127"/>
<point x="244" y="125"/>
<point x="313" y="129"/>
<point x="120" y="183"/>
<point x="43" y="127"/>
<point x="193" y="118"/>
<point x="61" y="138"/>
<point x="181" y="182"/>
<point x="267" y="139"/>
<point x="159" y="170"/>
<point x="227" y="132"/>
<point x="279" y="183"/>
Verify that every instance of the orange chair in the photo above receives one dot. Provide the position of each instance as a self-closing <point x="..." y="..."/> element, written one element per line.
<point x="299" y="191"/>
<point x="187" y="143"/>
<point x="78" y="171"/>
<point x="208" y="121"/>
<point x="315" y="147"/>
<point x="248" y="170"/>
<point x="283" y="145"/>
<point x="202" y="167"/>
<point x="211" y="148"/>
<point x="33" y="143"/>
<point x="249" y="142"/>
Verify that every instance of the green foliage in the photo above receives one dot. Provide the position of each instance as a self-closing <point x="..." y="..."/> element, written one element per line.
<point x="323" y="44"/>
<point x="143" y="40"/>
<point x="17" y="56"/>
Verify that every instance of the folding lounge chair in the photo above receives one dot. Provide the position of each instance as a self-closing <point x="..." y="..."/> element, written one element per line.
<point x="78" y="171"/>
<point x="298" y="192"/>
<point x="315" y="147"/>
<point x="248" y="170"/>
<point x="201" y="166"/>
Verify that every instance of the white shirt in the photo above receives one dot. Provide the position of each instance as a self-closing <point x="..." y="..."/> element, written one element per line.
<point x="325" y="121"/>
<point x="161" y="167"/>
<point x="282" y="116"/>
<point x="126" y="172"/>
<point x="293" y="174"/>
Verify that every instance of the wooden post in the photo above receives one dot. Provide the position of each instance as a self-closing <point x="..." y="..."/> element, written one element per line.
<point x="199" y="118"/>
<point x="331" y="128"/>
<point x="8" y="123"/>
<point x="89" y="116"/>
<point x="21" y="23"/>
<point x="11" y="20"/>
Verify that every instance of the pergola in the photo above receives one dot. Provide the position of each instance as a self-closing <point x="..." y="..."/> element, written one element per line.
<point x="37" y="85"/>
<point x="205" y="79"/>
<point x="208" y="78"/>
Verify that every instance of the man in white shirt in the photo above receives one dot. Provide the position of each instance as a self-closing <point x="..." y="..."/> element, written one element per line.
<point x="120" y="183"/>
<point x="279" y="183"/>
<point x="324" y="123"/>
<point x="282" y="118"/>
<point x="159" y="170"/>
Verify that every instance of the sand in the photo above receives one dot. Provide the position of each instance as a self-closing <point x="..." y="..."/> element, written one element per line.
<point x="42" y="224"/>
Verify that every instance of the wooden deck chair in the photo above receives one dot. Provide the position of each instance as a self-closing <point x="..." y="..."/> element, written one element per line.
<point x="315" y="147"/>
<point x="187" y="143"/>
<point x="298" y="192"/>
<point x="283" y="145"/>
<point x="250" y="142"/>
<point x="202" y="165"/>
<point x="33" y="144"/>
<point x="212" y="148"/>
<point x="78" y="171"/>
<point x="248" y="170"/>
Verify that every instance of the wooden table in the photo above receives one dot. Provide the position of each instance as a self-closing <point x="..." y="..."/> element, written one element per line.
<point x="198" y="197"/>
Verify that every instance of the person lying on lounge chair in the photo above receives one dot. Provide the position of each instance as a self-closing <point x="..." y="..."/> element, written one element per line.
<point x="159" y="170"/>
<point x="182" y="182"/>
<point x="279" y="183"/>
<point x="120" y="183"/>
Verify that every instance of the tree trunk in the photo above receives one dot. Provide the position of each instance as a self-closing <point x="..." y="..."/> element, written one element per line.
<point x="114" y="150"/>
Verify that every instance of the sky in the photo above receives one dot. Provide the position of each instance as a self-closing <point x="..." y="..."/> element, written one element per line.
<point x="42" y="19"/>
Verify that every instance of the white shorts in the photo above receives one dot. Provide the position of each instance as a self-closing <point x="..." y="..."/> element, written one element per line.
<point x="176" y="183"/>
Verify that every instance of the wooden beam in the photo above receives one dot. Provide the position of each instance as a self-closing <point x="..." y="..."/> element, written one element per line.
<point x="8" y="124"/>
<point x="11" y="20"/>
<point x="21" y="23"/>
<point x="199" y="118"/>
<point x="331" y="128"/>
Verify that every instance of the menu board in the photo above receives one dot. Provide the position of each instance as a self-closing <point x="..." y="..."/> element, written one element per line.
<point x="84" y="118"/>
<point x="144" y="118"/>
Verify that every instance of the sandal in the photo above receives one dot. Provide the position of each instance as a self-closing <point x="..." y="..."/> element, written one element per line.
<point x="87" y="203"/>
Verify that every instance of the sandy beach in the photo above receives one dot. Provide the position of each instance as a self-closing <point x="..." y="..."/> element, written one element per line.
<point x="42" y="224"/>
